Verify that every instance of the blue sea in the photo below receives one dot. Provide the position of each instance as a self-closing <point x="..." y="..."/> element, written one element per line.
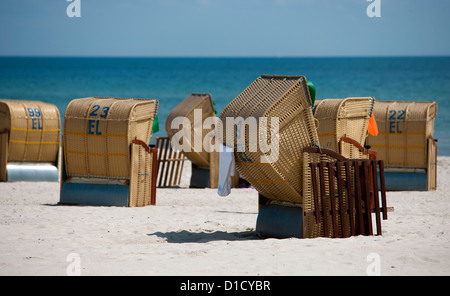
<point x="171" y="80"/>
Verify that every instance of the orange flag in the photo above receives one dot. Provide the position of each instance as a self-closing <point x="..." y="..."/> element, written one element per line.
<point x="372" y="128"/>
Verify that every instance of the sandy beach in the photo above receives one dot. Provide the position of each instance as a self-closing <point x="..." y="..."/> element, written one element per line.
<point x="196" y="232"/>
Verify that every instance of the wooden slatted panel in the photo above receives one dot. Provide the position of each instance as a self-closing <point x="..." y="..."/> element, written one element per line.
<point x="170" y="163"/>
<point x="343" y="196"/>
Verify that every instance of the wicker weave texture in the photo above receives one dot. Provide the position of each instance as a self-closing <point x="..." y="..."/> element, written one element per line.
<point x="343" y="117"/>
<point x="404" y="129"/>
<point x="141" y="177"/>
<point x="98" y="133"/>
<point x="34" y="130"/>
<point x="432" y="165"/>
<point x="186" y="109"/>
<point x="3" y="155"/>
<point x="285" y="97"/>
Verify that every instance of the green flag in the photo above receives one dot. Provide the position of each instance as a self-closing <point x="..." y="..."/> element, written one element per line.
<point x="155" y="127"/>
<point x="312" y="91"/>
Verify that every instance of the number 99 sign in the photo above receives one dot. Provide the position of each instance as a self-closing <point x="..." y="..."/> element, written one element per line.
<point x="35" y="115"/>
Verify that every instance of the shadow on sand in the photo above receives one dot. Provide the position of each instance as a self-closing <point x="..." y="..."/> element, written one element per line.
<point x="185" y="236"/>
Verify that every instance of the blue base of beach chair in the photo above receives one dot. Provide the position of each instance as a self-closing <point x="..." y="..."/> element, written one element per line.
<point x="200" y="178"/>
<point x="406" y="181"/>
<point x="279" y="221"/>
<point x="94" y="194"/>
<point x="31" y="173"/>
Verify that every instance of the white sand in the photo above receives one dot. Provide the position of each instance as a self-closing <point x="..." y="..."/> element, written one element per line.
<point x="196" y="232"/>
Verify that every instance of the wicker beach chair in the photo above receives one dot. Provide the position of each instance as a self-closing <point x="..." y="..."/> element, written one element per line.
<point x="287" y="98"/>
<point x="107" y="160"/>
<point x="343" y="128"/>
<point x="285" y="184"/>
<point x="405" y="142"/>
<point x="205" y="165"/>
<point x="29" y="141"/>
<point x="346" y="119"/>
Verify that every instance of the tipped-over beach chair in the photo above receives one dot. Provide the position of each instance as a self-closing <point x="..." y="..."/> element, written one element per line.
<point x="107" y="160"/>
<point x="30" y="134"/>
<point x="290" y="202"/>
<point x="196" y="108"/>
<point x="405" y="142"/>
<point x="287" y="98"/>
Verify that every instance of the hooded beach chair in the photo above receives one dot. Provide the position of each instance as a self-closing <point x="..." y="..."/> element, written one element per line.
<point x="29" y="141"/>
<point x="343" y="124"/>
<point x="405" y="142"/>
<point x="293" y="185"/>
<point x="196" y="108"/>
<point x="107" y="160"/>
<point x="343" y="127"/>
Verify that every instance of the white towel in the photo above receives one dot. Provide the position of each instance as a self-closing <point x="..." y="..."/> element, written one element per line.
<point x="226" y="170"/>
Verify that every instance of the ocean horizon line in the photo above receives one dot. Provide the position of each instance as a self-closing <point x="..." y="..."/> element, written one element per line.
<point x="225" y="57"/>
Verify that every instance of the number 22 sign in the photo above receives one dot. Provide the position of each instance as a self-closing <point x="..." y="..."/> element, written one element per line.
<point x="394" y="119"/>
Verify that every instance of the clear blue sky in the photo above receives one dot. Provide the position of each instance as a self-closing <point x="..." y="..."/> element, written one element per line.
<point x="224" y="28"/>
